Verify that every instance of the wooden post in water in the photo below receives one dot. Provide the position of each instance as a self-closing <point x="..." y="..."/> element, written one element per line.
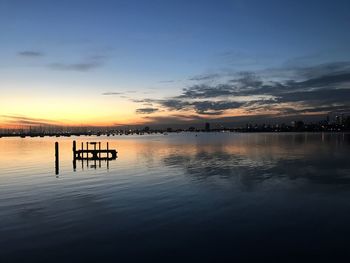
<point x="99" y="154"/>
<point x="94" y="155"/>
<point x="74" y="164"/>
<point x="107" y="157"/>
<point x="74" y="156"/>
<point x="56" y="158"/>
<point x="82" y="148"/>
<point x="87" y="154"/>
<point x="74" y="149"/>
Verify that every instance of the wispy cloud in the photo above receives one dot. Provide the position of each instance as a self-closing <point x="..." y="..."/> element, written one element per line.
<point x="30" y="54"/>
<point x="25" y="121"/>
<point x="202" y="77"/>
<point x="74" y="66"/>
<point x="111" y="93"/>
<point x="87" y="64"/>
<point x="146" y="110"/>
<point x="167" y="81"/>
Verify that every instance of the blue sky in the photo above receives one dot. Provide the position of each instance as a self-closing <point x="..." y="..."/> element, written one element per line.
<point x="156" y="47"/>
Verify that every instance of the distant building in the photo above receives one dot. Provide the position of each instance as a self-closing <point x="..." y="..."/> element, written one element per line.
<point x="339" y="119"/>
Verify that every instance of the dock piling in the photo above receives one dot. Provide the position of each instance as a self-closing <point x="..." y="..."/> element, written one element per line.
<point x="56" y="158"/>
<point x="87" y="154"/>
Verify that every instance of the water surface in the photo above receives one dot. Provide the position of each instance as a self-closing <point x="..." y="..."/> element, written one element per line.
<point x="181" y="197"/>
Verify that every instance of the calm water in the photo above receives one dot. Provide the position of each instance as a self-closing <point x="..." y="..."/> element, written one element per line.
<point x="180" y="197"/>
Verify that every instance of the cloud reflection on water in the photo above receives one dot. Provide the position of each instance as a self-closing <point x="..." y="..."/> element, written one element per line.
<point x="316" y="158"/>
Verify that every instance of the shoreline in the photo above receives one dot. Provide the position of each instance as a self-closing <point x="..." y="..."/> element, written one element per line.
<point x="159" y="133"/>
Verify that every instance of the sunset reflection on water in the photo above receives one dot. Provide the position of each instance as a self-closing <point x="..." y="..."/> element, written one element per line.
<point x="176" y="192"/>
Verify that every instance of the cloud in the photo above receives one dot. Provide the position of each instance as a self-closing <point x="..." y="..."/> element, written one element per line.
<point x="146" y="110"/>
<point x="201" y="107"/>
<point x="206" y="107"/>
<point x="325" y="80"/>
<point x="317" y="89"/>
<point x="173" y="104"/>
<point x="167" y="81"/>
<point x="108" y="93"/>
<point x="206" y="91"/>
<point x="23" y="120"/>
<point x="247" y="80"/>
<point x="143" y="101"/>
<point x="88" y="64"/>
<point x="332" y="68"/>
<point x="214" y="107"/>
<point x="74" y="66"/>
<point x="317" y="97"/>
<point x="30" y="54"/>
<point x="202" y="77"/>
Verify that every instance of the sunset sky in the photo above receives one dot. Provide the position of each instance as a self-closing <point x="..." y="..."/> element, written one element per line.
<point x="136" y="62"/>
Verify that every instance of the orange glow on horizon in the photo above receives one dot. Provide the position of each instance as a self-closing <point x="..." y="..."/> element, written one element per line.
<point x="24" y="110"/>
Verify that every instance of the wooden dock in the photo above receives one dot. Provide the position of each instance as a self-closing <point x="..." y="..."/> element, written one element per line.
<point x="96" y="153"/>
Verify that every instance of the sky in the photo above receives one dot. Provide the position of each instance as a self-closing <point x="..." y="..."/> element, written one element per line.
<point x="142" y="62"/>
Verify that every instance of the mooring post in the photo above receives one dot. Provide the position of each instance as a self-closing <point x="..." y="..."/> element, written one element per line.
<point x="99" y="149"/>
<point x="82" y="150"/>
<point x="56" y="159"/>
<point x="107" y="156"/>
<point x="74" y="156"/>
<point x="74" y="149"/>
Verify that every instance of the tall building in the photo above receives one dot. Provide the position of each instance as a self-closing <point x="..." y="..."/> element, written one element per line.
<point x="339" y="119"/>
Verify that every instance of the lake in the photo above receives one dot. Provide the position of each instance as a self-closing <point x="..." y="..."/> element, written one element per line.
<point x="186" y="197"/>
